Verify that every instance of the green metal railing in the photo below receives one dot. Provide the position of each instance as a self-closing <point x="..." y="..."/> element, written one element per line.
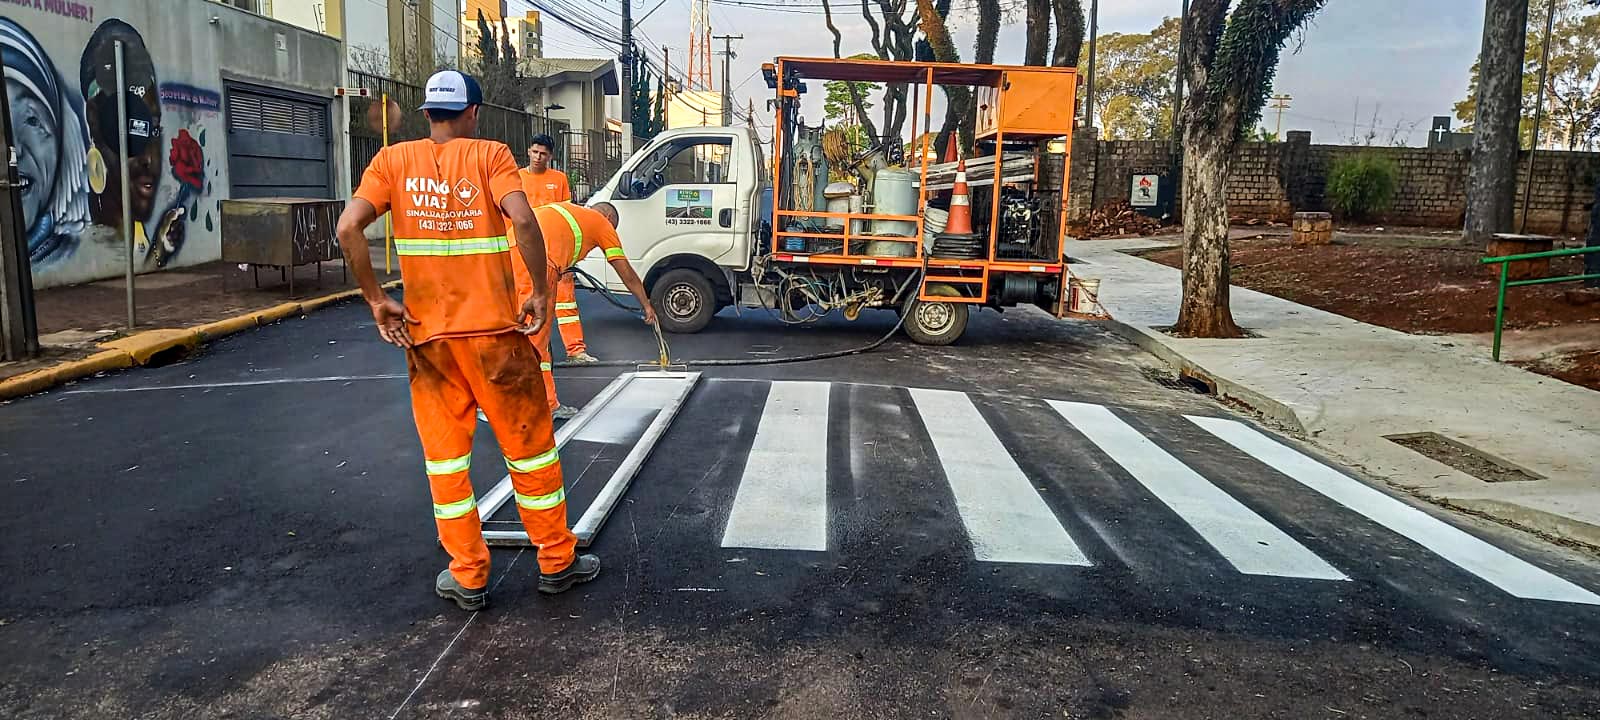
<point x="1500" y="301"/>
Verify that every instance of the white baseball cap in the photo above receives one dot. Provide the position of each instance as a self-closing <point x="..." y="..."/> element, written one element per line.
<point x="451" y="90"/>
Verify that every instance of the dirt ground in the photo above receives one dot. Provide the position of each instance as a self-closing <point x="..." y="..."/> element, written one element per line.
<point x="1417" y="285"/>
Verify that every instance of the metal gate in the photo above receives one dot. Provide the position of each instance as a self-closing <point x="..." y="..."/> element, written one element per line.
<point x="279" y="144"/>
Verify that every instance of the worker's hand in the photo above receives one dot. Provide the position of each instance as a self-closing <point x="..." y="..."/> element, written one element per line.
<point x="533" y="314"/>
<point x="393" y="319"/>
<point x="649" y="314"/>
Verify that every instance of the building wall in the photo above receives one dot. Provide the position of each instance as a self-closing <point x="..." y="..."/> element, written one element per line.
<point x="446" y="30"/>
<point x="58" y="70"/>
<point x="1274" y="180"/>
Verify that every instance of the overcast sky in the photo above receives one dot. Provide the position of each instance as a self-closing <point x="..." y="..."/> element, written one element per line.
<point x="1405" y="59"/>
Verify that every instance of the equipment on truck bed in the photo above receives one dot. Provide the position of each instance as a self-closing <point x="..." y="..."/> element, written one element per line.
<point x="840" y="221"/>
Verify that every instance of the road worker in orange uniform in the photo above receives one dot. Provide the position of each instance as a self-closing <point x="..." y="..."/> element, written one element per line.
<point x="570" y="233"/>
<point x="545" y="185"/>
<point x="462" y="325"/>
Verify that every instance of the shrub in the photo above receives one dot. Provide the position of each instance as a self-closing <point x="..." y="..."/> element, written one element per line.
<point x="1361" y="185"/>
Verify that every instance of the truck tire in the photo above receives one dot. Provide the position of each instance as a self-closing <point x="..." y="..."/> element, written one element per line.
<point x="934" y="322"/>
<point x="684" y="300"/>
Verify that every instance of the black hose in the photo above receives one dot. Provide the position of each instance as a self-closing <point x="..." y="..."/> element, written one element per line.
<point x="905" y="310"/>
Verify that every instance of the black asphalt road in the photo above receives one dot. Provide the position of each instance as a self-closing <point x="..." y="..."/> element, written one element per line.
<point x="246" y="534"/>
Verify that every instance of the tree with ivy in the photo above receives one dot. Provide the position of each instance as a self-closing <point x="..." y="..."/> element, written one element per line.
<point x="1228" y="65"/>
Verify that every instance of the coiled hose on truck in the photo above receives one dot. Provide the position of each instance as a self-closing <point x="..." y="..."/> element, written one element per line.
<point x="905" y="310"/>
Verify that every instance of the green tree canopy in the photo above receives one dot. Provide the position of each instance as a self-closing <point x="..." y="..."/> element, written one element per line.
<point x="1572" y="93"/>
<point x="1133" y="82"/>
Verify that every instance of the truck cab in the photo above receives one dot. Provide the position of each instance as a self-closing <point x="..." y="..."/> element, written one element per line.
<point x="689" y="207"/>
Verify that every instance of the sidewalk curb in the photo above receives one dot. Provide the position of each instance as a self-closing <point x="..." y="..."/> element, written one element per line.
<point x="1532" y="520"/>
<point x="140" y="348"/>
<point x="1150" y="341"/>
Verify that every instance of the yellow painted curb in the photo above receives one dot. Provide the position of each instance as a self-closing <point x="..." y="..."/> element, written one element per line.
<point x="44" y="378"/>
<point x="276" y="313"/>
<point x="315" y="304"/>
<point x="225" y="327"/>
<point x="146" y="345"/>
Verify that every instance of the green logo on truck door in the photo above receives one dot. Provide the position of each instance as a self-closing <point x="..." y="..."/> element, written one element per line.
<point x="689" y="207"/>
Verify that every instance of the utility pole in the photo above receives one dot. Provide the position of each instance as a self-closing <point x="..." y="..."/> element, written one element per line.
<point x="727" y="92"/>
<point x="629" y="101"/>
<point x="1280" y="103"/>
<point x="19" y="336"/>
<point x="1538" y="111"/>
<point x="1094" y="32"/>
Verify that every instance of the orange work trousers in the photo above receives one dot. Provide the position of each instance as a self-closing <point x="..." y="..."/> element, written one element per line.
<point x="451" y="378"/>
<point x="541" y="339"/>
<point x="567" y="316"/>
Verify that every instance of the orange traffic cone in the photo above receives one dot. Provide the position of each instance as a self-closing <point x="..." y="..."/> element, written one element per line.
<point x="960" y="222"/>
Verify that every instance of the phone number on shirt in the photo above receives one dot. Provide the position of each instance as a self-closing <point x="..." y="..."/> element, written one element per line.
<point x="445" y="225"/>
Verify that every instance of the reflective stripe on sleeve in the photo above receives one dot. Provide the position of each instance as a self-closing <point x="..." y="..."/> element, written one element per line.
<point x="577" y="232"/>
<point x="545" y="366"/>
<point x="542" y="502"/>
<point x="537" y="462"/>
<point x="451" y="511"/>
<point x="449" y="248"/>
<point x="567" y="306"/>
<point x="614" y="253"/>
<point x="452" y="465"/>
<point x="568" y="320"/>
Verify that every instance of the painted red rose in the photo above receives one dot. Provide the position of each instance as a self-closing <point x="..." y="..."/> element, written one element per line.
<point x="188" y="161"/>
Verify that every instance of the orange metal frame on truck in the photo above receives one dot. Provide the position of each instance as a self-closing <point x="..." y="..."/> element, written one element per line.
<point x="1025" y="103"/>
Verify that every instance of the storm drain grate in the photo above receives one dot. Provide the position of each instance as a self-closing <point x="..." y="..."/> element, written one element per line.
<point x="1463" y="457"/>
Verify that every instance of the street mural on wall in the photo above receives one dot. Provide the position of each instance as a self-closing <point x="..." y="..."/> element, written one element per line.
<point x="65" y="124"/>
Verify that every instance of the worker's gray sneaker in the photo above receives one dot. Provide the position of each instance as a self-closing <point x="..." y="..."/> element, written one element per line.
<point x="582" y="358"/>
<point x="583" y="569"/>
<point x="564" y="412"/>
<point x="465" y="598"/>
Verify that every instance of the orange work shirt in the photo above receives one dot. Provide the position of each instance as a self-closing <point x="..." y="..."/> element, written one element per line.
<point x="546" y="187"/>
<point x="450" y="232"/>
<point x="566" y="242"/>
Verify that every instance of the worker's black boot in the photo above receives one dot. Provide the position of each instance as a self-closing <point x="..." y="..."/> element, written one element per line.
<point x="583" y="569"/>
<point x="465" y="598"/>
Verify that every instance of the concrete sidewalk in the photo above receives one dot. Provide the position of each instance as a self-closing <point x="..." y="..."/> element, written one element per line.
<point x="1347" y="385"/>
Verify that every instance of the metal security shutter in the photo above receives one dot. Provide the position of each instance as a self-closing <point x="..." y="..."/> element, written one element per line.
<point x="279" y="145"/>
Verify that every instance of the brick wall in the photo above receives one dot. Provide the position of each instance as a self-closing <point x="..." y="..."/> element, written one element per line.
<point x="1274" y="180"/>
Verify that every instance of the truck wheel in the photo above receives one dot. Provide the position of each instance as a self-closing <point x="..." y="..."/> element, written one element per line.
<point x="934" y="322"/>
<point x="684" y="300"/>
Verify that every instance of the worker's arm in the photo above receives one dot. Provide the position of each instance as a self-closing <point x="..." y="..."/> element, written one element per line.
<point x="530" y="248"/>
<point x="635" y="286"/>
<point x="390" y="315"/>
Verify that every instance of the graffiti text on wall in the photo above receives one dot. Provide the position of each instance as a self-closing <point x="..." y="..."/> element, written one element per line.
<point x="68" y="149"/>
<point x="64" y="8"/>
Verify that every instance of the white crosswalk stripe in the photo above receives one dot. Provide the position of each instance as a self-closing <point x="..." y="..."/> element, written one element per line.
<point x="782" y="502"/>
<point x="1498" y="567"/>
<point x="1004" y="515"/>
<point x="1253" y="545"/>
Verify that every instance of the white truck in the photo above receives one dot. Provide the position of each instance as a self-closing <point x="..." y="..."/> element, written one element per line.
<point x="699" y="221"/>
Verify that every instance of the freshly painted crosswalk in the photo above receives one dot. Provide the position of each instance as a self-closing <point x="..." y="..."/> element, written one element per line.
<point x="1502" y="569"/>
<point x="1003" y="514"/>
<point x="1250" y="543"/>
<point x="781" y="499"/>
<point x="782" y="502"/>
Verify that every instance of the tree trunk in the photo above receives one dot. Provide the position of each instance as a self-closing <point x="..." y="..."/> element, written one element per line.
<point x="988" y="32"/>
<point x="1496" y="137"/>
<point x="1205" y="311"/>
<point x="1038" y="48"/>
<point x="1069" y="33"/>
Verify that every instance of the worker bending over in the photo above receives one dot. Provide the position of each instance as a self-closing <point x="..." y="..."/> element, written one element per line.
<point x="570" y="233"/>
<point x="448" y="195"/>
<point x="545" y="185"/>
